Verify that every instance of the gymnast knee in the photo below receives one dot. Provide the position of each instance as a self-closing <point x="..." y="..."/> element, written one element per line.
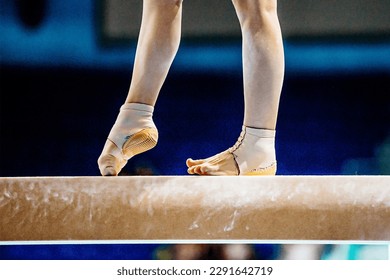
<point x="256" y="15"/>
<point x="170" y="3"/>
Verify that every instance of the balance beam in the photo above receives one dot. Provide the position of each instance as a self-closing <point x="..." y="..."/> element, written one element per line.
<point x="195" y="207"/>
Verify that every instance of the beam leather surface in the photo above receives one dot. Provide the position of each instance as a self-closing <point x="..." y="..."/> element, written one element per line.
<point x="195" y="207"/>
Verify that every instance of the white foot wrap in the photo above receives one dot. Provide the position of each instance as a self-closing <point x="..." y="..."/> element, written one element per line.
<point x="134" y="132"/>
<point x="254" y="150"/>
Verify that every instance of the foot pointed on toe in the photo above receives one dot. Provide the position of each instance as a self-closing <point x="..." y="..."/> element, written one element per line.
<point x="113" y="159"/>
<point x="134" y="132"/>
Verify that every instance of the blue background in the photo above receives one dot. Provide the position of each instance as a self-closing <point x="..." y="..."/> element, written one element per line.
<point x="61" y="90"/>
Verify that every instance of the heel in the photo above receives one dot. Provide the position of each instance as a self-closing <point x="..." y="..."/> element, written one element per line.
<point x="140" y="142"/>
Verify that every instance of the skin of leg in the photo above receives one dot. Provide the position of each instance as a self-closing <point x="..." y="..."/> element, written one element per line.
<point x="263" y="61"/>
<point x="158" y="43"/>
<point x="263" y="69"/>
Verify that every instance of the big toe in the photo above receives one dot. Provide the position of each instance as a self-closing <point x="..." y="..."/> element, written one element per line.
<point x="192" y="162"/>
<point x="109" y="171"/>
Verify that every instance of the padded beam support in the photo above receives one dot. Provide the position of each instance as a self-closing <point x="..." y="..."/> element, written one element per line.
<point x="196" y="207"/>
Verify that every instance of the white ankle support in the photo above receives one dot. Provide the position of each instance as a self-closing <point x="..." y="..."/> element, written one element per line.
<point x="132" y="118"/>
<point x="254" y="146"/>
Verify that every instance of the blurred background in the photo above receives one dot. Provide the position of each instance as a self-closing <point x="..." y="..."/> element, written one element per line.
<point x="65" y="69"/>
<point x="195" y="252"/>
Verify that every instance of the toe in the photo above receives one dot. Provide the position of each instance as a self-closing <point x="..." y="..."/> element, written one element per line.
<point x="202" y="169"/>
<point x="111" y="160"/>
<point x="109" y="171"/>
<point x="194" y="170"/>
<point x="191" y="162"/>
<point x="197" y="170"/>
<point x="190" y="170"/>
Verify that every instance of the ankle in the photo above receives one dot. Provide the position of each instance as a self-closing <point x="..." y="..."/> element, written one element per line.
<point x="255" y="148"/>
<point x="132" y="118"/>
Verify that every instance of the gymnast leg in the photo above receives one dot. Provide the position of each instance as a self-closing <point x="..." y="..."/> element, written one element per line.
<point x="134" y="131"/>
<point x="263" y="69"/>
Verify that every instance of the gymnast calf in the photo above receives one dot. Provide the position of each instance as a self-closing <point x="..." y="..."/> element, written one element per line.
<point x="134" y="131"/>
